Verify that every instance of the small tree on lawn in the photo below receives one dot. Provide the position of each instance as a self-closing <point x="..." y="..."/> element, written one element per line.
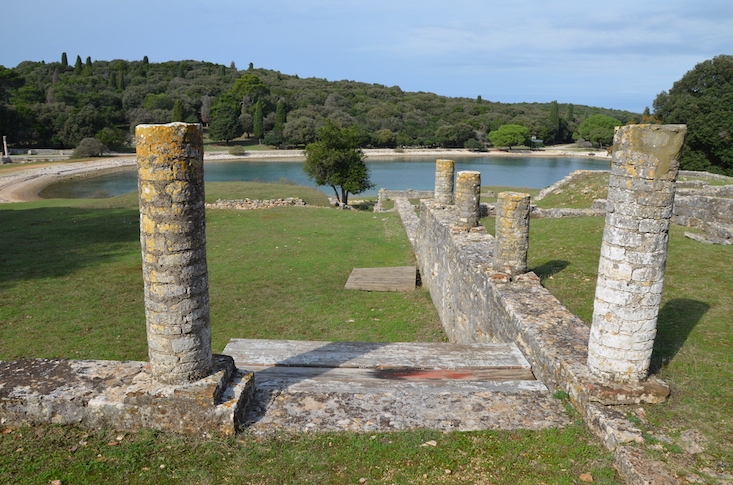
<point x="336" y="160"/>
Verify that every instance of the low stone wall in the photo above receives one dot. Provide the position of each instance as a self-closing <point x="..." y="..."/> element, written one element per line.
<point x="701" y="211"/>
<point x="489" y="210"/>
<point x="476" y="304"/>
<point x="247" y="204"/>
<point x="385" y="195"/>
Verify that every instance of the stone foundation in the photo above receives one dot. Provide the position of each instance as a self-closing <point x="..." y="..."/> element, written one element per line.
<point x="123" y="396"/>
<point x="477" y="304"/>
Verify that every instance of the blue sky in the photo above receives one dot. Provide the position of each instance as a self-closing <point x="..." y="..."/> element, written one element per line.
<point x="612" y="54"/>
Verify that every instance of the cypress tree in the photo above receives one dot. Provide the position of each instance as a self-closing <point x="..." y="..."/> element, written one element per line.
<point x="177" y="112"/>
<point x="64" y="60"/>
<point x="554" y="121"/>
<point x="569" y="114"/>
<point x="280" y="115"/>
<point x="259" y="121"/>
<point x="78" y="65"/>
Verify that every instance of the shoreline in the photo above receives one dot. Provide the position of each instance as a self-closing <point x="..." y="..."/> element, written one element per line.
<point x="24" y="183"/>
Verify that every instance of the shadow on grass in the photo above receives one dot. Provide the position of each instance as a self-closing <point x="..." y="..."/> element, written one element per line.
<point x="56" y="241"/>
<point x="676" y="320"/>
<point x="550" y="268"/>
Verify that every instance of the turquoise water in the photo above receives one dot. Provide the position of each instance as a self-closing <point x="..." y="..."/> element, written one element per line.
<point x="417" y="173"/>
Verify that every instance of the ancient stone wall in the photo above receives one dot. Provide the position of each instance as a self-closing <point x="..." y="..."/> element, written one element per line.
<point x="477" y="304"/>
<point x="248" y="204"/>
<point x="701" y="211"/>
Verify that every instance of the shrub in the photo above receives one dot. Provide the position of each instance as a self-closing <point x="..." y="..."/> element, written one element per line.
<point x="89" y="147"/>
<point x="237" y="151"/>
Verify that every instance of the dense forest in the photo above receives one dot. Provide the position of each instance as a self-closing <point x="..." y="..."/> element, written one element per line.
<point x="58" y="104"/>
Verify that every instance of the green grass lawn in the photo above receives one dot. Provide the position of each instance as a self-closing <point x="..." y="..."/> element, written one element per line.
<point x="71" y="287"/>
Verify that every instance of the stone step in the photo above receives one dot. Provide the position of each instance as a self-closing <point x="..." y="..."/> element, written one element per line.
<point x="417" y="355"/>
<point x="368" y="387"/>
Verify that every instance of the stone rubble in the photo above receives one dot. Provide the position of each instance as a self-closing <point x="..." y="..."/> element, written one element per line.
<point x="248" y="204"/>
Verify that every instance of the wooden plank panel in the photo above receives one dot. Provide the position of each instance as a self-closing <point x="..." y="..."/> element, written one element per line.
<point x="400" y="278"/>
<point x="416" y="355"/>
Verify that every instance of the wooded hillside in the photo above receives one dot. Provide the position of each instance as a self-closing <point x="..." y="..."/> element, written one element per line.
<point x="58" y="104"/>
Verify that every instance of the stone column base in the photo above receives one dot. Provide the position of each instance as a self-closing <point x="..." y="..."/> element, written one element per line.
<point x="122" y="395"/>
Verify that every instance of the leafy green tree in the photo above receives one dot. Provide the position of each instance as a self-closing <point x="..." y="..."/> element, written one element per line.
<point x="474" y="145"/>
<point x="383" y="138"/>
<point x="300" y="130"/>
<point x="89" y="147"/>
<point x="510" y="135"/>
<point x="249" y="85"/>
<point x="703" y="100"/>
<point x="336" y="160"/>
<point x="225" y="124"/>
<point x="598" y="129"/>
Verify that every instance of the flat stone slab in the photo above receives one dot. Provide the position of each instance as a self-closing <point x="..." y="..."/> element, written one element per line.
<point x="369" y="387"/>
<point x="399" y="278"/>
<point x="122" y="395"/>
<point x="417" y="355"/>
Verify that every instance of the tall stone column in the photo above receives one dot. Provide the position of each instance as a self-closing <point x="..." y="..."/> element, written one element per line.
<point x="634" y="250"/>
<point x="444" y="170"/>
<point x="468" y="198"/>
<point x="173" y="240"/>
<point x="512" y="233"/>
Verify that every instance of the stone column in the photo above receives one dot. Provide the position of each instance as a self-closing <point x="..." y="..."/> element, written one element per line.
<point x="444" y="170"/>
<point x="468" y="197"/>
<point x="173" y="239"/>
<point x="634" y="250"/>
<point x="512" y="233"/>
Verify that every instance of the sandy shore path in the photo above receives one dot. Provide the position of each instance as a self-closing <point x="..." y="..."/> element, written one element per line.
<point x="22" y="183"/>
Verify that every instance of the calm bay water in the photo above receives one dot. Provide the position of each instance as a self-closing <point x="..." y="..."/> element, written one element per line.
<point x="416" y="173"/>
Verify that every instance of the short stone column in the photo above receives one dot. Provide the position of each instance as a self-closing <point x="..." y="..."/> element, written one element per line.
<point x="444" y="170"/>
<point x="512" y="233"/>
<point x="468" y="198"/>
<point x="634" y="250"/>
<point x="173" y="239"/>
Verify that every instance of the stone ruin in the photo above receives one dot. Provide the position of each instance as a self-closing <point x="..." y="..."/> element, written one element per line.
<point x="478" y="282"/>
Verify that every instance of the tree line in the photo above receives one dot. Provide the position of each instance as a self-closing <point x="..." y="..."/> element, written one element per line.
<point x="57" y="104"/>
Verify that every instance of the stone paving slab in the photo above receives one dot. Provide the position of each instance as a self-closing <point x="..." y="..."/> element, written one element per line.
<point x="290" y="411"/>
<point x="418" y="355"/>
<point x="369" y="387"/>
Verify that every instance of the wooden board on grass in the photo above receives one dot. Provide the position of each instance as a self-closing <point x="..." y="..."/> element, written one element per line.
<point x="400" y="278"/>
